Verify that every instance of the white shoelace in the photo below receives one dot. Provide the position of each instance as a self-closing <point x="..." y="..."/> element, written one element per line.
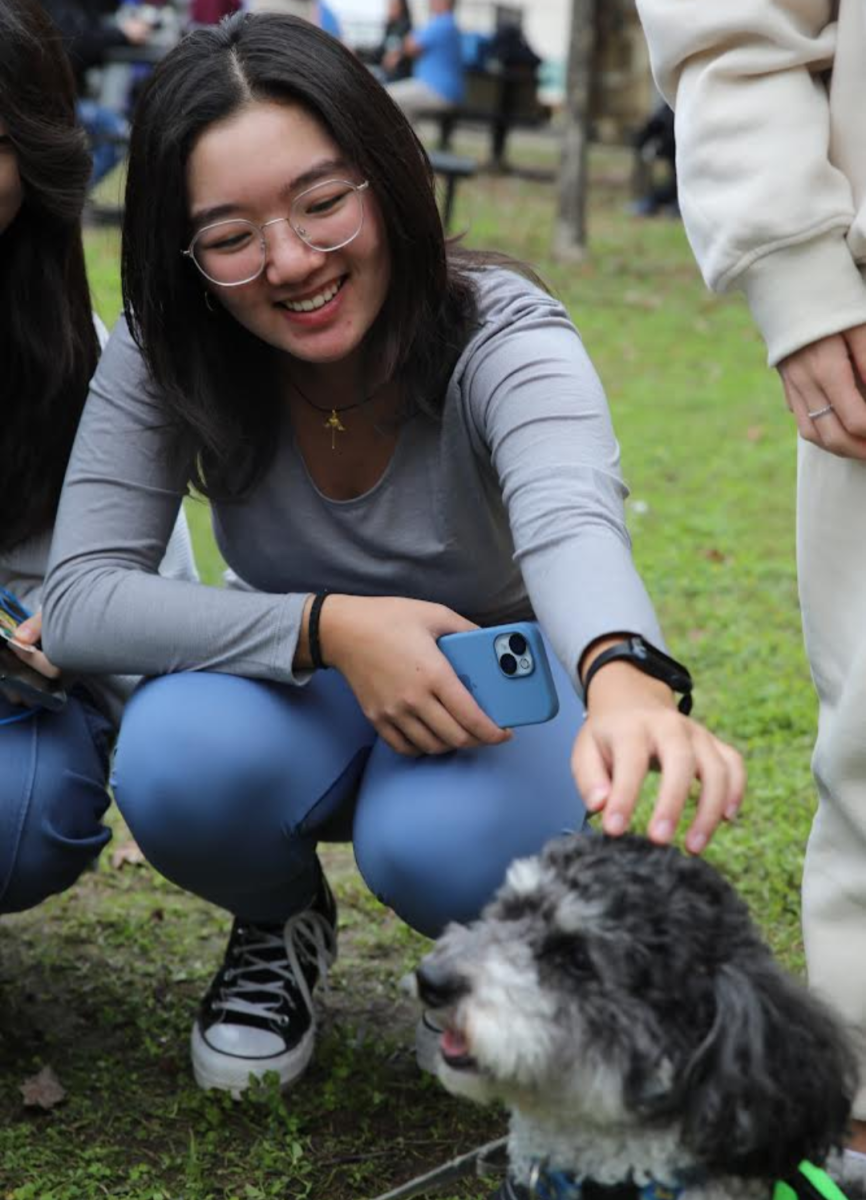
<point x="306" y="938"/>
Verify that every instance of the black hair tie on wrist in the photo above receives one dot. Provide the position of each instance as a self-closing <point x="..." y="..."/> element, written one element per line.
<point x="313" y="631"/>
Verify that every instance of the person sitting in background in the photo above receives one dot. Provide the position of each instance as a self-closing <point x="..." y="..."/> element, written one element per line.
<point x="655" y="142"/>
<point x="437" y="83"/>
<point x="211" y="12"/>
<point x="398" y="26"/>
<point x="317" y="12"/>
<point x="328" y="20"/>
<point x="87" y="37"/>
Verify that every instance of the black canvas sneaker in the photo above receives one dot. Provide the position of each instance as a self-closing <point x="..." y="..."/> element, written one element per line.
<point x="257" y="1015"/>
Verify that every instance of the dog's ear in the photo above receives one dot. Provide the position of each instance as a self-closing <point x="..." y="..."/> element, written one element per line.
<point x="773" y="1080"/>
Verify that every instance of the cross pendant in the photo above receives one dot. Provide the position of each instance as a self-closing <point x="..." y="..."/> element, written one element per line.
<point x="336" y="426"/>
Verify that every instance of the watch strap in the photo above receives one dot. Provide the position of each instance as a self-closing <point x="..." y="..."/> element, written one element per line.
<point x="651" y="661"/>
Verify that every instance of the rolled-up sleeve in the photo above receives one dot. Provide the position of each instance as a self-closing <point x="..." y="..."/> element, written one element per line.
<point x="765" y="206"/>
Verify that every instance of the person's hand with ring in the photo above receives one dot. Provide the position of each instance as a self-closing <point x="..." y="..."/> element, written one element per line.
<point x="825" y="389"/>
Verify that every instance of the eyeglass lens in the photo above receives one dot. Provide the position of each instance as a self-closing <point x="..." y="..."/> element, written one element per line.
<point x="326" y="217"/>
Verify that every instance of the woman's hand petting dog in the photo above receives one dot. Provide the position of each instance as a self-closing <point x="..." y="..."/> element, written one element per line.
<point x="632" y="727"/>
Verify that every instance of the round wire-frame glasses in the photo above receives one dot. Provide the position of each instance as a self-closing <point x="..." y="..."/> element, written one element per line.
<point x="326" y="217"/>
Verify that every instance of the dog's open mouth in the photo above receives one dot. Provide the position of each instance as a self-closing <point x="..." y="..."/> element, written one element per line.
<point x="455" y="1051"/>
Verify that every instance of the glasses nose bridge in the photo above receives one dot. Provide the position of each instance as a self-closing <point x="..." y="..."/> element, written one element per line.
<point x="297" y="241"/>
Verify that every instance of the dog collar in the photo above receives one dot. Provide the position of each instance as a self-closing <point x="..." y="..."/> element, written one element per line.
<point x="545" y="1184"/>
<point x="809" y="1183"/>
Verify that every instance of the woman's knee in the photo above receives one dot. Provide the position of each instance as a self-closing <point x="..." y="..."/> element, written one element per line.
<point x="434" y="837"/>
<point x="185" y="771"/>
<point x="58" y="836"/>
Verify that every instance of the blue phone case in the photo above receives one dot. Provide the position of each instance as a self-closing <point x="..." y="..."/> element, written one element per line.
<point x="524" y="698"/>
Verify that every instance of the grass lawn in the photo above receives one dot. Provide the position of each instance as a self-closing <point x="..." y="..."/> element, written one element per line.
<point x="101" y="983"/>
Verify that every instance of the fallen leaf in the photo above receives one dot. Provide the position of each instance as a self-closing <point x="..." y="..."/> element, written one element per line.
<point x="43" y="1090"/>
<point x="715" y="555"/>
<point x="754" y="433"/>
<point x="127" y="853"/>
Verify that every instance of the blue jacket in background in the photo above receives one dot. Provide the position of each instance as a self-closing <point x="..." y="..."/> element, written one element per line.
<point x="440" y="64"/>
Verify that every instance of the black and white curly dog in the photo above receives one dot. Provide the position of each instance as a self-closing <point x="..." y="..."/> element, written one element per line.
<point x="617" y="997"/>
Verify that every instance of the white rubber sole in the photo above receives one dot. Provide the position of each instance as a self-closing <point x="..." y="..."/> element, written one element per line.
<point x="226" y="1073"/>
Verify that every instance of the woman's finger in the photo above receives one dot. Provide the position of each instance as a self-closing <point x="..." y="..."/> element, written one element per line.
<point x="419" y="734"/>
<point x="37" y="660"/>
<point x="590" y="769"/>
<point x="678" y="763"/>
<point x="737" y="779"/>
<point x="467" y="712"/>
<point x="712" y="770"/>
<point x="450" y="732"/>
<point x="393" y="737"/>
<point x="630" y="762"/>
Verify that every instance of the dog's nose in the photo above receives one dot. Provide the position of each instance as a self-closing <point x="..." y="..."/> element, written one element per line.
<point x="438" y="985"/>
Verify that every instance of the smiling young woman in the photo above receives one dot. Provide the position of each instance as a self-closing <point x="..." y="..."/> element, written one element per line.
<point x="400" y="440"/>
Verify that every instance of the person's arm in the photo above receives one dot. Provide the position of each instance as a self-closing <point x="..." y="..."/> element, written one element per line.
<point x="540" y="413"/>
<point x="764" y="206"/>
<point x="106" y="610"/>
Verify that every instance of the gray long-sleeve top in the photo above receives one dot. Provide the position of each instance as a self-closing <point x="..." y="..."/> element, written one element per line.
<point x="509" y="507"/>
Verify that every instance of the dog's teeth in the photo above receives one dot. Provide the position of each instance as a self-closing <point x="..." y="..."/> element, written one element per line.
<point x="454" y="1044"/>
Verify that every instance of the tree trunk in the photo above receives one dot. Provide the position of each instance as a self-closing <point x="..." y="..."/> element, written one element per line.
<point x="570" y="232"/>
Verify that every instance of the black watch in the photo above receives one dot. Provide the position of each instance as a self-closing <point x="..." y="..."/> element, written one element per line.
<point x="641" y="654"/>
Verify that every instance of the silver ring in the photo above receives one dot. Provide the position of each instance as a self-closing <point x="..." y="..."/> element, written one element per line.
<point x="820" y="412"/>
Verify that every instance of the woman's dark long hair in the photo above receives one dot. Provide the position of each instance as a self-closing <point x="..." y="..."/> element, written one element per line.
<point x="216" y="379"/>
<point x="48" y="344"/>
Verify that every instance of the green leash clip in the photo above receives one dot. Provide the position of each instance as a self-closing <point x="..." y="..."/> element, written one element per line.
<point x="810" y="1183"/>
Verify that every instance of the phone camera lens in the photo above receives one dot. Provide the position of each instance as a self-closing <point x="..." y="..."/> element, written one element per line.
<point x="524" y="664"/>
<point x="508" y="663"/>
<point x="517" y="644"/>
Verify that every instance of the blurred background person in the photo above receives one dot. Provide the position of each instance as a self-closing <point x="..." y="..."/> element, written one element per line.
<point x="655" y="146"/>
<point x="211" y="12"/>
<point x="398" y="26"/>
<point x="317" y="12"/>
<point x="437" y="83"/>
<point x="88" y="35"/>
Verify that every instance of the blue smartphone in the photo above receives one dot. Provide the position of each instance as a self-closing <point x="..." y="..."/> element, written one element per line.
<point x="506" y="669"/>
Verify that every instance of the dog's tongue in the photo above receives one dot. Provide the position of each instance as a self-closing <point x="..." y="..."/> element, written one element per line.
<point x="454" y="1044"/>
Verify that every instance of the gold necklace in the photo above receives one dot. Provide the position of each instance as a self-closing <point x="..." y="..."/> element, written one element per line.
<point x="333" y="423"/>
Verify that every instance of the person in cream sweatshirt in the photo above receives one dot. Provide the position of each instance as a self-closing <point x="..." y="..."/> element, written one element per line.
<point x="770" y="99"/>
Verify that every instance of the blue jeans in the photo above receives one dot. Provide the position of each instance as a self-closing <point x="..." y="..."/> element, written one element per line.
<point x="228" y="784"/>
<point x="53" y="773"/>
<point x="107" y="131"/>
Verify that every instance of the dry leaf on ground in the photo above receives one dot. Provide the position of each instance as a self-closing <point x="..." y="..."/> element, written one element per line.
<point x="43" y="1090"/>
<point x="127" y="853"/>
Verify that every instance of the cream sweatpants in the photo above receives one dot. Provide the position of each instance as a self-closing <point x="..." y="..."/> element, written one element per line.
<point x="831" y="561"/>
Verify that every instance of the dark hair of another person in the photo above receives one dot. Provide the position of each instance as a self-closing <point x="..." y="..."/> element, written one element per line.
<point x="48" y="344"/>
<point x="217" y="380"/>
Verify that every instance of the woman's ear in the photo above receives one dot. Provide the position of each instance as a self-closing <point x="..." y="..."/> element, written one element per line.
<point x="773" y="1081"/>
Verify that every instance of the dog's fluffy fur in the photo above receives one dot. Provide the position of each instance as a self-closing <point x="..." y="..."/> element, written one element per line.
<point x="616" y="996"/>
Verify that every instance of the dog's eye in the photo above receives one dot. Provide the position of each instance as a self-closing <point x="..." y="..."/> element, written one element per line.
<point x="569" y="954"/>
